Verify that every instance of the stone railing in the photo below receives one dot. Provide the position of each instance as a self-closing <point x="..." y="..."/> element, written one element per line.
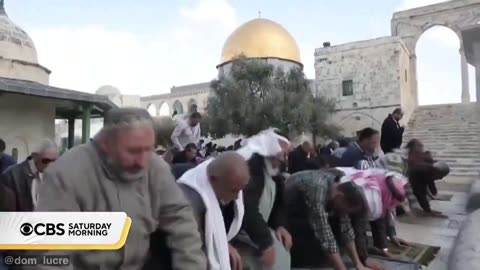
<point x="473" y="202"/>
<point x="465" y="254"/>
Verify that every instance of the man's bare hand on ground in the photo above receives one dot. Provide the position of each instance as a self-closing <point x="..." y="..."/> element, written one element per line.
<point x="399" y="242"/>
<point x="374" y="265"/>
<point x="362" y="267"/>
<point x="284" y="236"/>
<point x="268" y="257"/>
<point x="235" y="258"/>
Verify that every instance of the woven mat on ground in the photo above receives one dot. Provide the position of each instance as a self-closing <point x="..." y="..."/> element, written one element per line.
<point x="389" y="264"/>
<point x="418" y="253"/>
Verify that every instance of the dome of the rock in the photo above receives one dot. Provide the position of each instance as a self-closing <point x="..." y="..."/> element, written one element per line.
<point x="261" y="38"/>
<point x="15" y="43"/>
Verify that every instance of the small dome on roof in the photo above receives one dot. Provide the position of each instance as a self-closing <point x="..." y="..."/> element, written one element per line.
<point x="15" y="43"/>
<point x="108" y="90"/>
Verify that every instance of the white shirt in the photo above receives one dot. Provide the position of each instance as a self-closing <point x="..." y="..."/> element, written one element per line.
<point x="35" y="182"/>
<point x="184" y="134"/>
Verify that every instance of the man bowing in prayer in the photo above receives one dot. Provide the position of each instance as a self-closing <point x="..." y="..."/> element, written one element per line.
<point x="214" y="189"/>
<point x="264" y="242"/>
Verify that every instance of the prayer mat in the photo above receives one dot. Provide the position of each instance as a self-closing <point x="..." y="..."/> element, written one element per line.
<point x="390" y="264"/>
<point x="420" y="254"/>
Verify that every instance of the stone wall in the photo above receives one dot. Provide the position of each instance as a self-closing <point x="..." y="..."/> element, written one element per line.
<point x="34" y="120"/>
<point x="15" y="69"/>
<point x="376" y="69"/>
<point x="408" y="94"/>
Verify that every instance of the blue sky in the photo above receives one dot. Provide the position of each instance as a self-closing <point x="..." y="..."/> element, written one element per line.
<point x="146" y="46"/>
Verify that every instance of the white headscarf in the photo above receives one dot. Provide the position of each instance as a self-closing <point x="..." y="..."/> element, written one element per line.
<point x="266" y="143"/>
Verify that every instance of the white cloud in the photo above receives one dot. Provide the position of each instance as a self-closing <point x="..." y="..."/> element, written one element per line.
<point x="211" y="11"/>
<point x="86" y="57"/>
<point x="408" y="4"/>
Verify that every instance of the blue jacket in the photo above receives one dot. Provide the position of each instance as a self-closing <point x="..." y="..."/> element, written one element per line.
<point x="6" y="161"/>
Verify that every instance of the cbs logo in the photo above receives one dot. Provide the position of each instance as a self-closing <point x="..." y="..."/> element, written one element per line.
<point x="42" y="229"/>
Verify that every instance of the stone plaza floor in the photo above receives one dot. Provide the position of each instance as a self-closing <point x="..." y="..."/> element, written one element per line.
<point x="436" y="231"/>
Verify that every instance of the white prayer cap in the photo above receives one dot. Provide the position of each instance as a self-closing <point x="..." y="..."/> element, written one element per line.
<point x="266" y="143"/>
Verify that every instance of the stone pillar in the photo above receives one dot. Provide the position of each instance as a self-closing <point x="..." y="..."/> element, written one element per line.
<point x="86" y="115"/>
<point x="413" y="77"/>
<point x="71" y="132"/>
<point x="464" y="69"/>
<point x="477" y="79"/>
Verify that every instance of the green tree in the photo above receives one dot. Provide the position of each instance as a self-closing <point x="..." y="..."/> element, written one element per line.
<point x="255" y="96"/>
<point x="163" y="127"/>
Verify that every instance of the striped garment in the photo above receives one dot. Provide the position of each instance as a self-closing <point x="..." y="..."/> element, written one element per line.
<point x="397" y="162"/>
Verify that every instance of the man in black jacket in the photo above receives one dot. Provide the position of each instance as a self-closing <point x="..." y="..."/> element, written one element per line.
<point x="25" y="178"/>
<point x="264" y="242"/>
<point x="392" y="132"/>
<point x="298" y="157"/>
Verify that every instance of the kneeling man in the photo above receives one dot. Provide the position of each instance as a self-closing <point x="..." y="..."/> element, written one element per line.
<point x="318" y="208"/>
<point x="214" y="189"/>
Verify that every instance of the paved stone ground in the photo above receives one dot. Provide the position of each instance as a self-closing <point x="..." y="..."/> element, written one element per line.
<point x="435" y="231"/>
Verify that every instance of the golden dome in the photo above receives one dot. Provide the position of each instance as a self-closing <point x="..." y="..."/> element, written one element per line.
<point x="261" y="38"/>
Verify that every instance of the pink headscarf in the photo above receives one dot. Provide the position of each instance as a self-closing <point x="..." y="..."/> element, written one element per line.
<point x="375" y="179"/>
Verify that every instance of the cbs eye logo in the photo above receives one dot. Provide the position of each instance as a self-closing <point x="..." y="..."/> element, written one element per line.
<point x="26" y="229"/>
<point x="42" y="229"/>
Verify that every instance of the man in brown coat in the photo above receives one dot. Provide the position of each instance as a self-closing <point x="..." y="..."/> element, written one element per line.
<point x="117" y="171"/>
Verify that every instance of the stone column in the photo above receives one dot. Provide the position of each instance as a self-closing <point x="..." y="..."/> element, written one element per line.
<point x="86" y="116"/>
<point x="71" y="132"/>
<point x="464" y="69"/>
<point x="477" y="79"/>
<point x="413" y="77"/>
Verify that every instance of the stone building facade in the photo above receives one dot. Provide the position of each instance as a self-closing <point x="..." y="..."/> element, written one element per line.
<point x="369" y="79"/>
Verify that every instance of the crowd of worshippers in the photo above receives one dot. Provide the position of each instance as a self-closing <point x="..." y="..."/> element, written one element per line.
<point x="261" y="205"/>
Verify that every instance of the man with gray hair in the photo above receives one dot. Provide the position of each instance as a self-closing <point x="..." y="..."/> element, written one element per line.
<point x="118" y="171"/>
<point x="25" y="178"/>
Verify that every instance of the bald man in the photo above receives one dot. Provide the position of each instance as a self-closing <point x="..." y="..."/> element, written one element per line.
<point x="227" y="174"/>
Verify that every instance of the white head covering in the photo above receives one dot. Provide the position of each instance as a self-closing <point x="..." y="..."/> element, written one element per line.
<point x="265" y="143"/>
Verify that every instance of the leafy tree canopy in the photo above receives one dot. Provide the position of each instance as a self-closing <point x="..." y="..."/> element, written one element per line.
<point x="254" y="96"/>
<point x="163" y="127"/>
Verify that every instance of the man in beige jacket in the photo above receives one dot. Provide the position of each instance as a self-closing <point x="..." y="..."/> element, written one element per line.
<point x="117" y="171"/>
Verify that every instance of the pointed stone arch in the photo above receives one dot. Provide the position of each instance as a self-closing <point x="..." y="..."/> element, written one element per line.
<point x="164" y="109"/>
<point x="178" y="107"/>
<point x="358" y="120"/>
<point x="152" y="110"/>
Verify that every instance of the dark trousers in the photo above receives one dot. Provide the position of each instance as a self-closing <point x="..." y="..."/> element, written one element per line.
<point x="420" y="186"/>
<point x="307" y="251"/>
